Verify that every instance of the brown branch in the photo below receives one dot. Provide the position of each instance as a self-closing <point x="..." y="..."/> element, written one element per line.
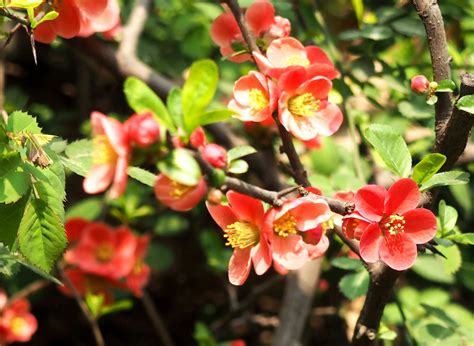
<point x="5" y="13"/>
<point x="30" y="289"/>
<point x="156" y="320"/>
<point x="351" y="243"/>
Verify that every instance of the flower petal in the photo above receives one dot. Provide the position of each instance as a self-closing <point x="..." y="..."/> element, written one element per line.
<point x="260" y="16"/>
<point x="370" y="243"/>
<point x="290" y="252"/>
<point x="246" y="208"/>
<point x="369" y="202"/>
<point x="420" y="225"/>
<point x="239" y="266"/>
<point x="261" y="256"/>
<point x="99" y="178"/>
<point x="222" y="214"/>
<point x="402" y="196"/>
<point x="398" y="252"/>
<point x="328" y="119"/>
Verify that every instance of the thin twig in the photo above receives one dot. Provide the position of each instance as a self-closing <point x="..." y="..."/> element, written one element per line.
<point x="156" y="320"/>
<point x="5" y="13"/>
<point x="30" y="289"/>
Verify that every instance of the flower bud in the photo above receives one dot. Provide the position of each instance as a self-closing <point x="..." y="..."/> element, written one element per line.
<point x="215" y="155"/>
<point x="420" y="84"/>
<point x="215" y="197"/>
<point x="198" y="138"/>
<point x="143" y="130"/>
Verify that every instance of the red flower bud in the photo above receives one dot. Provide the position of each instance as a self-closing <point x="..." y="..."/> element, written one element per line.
<point x="215" y="155"/>
<point x="143" y="130"/>
<point x="420" y="84"/>
<point x="198" y="138"/>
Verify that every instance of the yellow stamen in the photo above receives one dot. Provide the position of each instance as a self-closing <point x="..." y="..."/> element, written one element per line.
<point x="297" y="60"/>
<point x="257" y="99"/>
<point x="241" y="234"/>
<point x="393" y="224"/>
<point x="103" y="150"/>
<point x="179" y="190"/>
<point x="104" y="252"/>
<point x="304" y="105"/>
<point x="17" y="325"/>
<point x="327" y="225"/>
<point x="285" y="225"/>
<point x="137" y="267"/>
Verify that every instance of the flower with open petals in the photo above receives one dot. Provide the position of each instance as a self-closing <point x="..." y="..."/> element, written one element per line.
<point x="389" y="224"/>
<point x="254" y="97"/>
<point x="110" y="157"/>
<point x="303" y="108"/>
<point x="17" y="324"/>
<point x="104" y="251"/>
<point x="242" y="222"/>
<point x="285" y="53"/>
<point x="178" y="196"/>
<point x="140" y="273"/>
<point x="294" y="231"/>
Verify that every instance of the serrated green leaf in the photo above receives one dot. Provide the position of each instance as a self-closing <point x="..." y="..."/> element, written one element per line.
<point x="198" y="92"/>
<point x="21" y="121"/>
<point x="355" y="285"/>
<point x="446" y="85"/>
<point x="41" y="235"/>
<point x="89" y="209"/>
<point x="181" y="166"/>
<point x="40" y="272"/>
<point x="238" y="167"/>
<point x="466" y="104"/>
<point x="448" y="217"/>
<point x="391" y="147"/>
<point x="347" y="263"/>
<point x="14" y="181"/>
<point x="174" y="104"/>
<point x="141" y="98"/>
<point x="446" y="178"/>
<point x="464" y="238"/>
<point x="428" y="167"/>
<point x="142" y="175"/>
<point x="79" y="157"/>
<point x="238" y="152"/>
<point x="10" y="216"/>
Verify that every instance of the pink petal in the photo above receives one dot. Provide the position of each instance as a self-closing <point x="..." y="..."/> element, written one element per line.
<point x="322" y="70"/>
<point x="239" y="266"/>
<point x="319" y="87"/>
<point x="369" y="202"/>
<point x="318" y="250"/>
<point x="261" y="256"/>
<point x="398" y="252"/>
<point x="420" y="225"/>
<point x="290" y="252"/>
<point x="283" y="49"/>
<point x="402" y="196"/>
<point x="291" y="80"/>
<point x="328" y="119"/>
<point x="224" y="29"/>
<point x="99" y="178"/>
<point x="303" y="128"/>
<point x="92" y="8"/>
<point x="310" y="213"/>
<point x="317" y="55"/>
<point x="222" y="214"/>
<point x="68" y="23"/>
<point x="246" y="208"/>
<point x="354" y="225"/>
<point x="260" y="16"/>
<point x="120" y="178"/>
<point x="370" y="243"/>
<point x="115" y="132"/>
<point x="107" y="19"/>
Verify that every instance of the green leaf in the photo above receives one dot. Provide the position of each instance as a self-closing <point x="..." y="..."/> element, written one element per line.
<point x="10" y="216"/>
<point x="41" y="235"/>
<point x="354" y="285"/>
<point x="174" y="104"/>
<point x="347" y="263"/>
<point x="89" y="209"/>
<point x="14" y="181"/>
<point x="52" y="15"/>
<point x="446" y="85"/>
<point x="432" y="100"/>
<point x="415" y="110"/>
<point x="141" y="98"/>
<point x="464" y="238"/>
<point x="217" y="253"/>
<point x="8" y="262"/>
<point x="391" y="147"/>
<point x="238" y="152"/>
<point x="171" y="224"/>
<point x="440" y="314"/>
<point x="359" y="10"/>
<point x="121" y="305"/>
<point x="385" y="333"/>
<point x="453" y="261"/>
<point x="434" y="268"/>
<point x="446" y="178"/>
<point x="448" y="217"/>
<point x="142" y="175"/>
<point x="203" y="336"/>
<point x="466" y="104"/>
<point x="238" y="167"/>
<point x="79" y="157"/>
<point x="21" y="122"/>
<point x="377" y="33"/>
<point x="428" y="167"/>
<point x="181" y="167"/>
<point x="215" y="116"/>
<point x="198" y="92"/>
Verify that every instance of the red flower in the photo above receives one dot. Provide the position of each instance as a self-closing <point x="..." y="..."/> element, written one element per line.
<point x="420" y="84"/>
<point x="140" y="274"/>
<point x="110" y="156"/>
<point x="74" y="228"/>
<point x="142" y="129"/>
<point x="389" y="224"/>
<point x="178" y="196"/>
<point x="104" y="251"/>
<point x="295" y="231"/>
<point x="285" y="53"/>
<point x="254" y="97"/>
<point x="215" y="155"/>
<point x="17" y="324"/>
<point x="303" y="108"/>
<point x="242" y="222"/>
<point x="108" y="22"/>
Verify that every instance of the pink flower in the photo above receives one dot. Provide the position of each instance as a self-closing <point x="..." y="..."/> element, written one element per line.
<point x="104" y="251"/>
<point x="226" y="34"/>
<point x="303" y="108"/>
<point x="294" y="231"/>
<point x="17" y="324"/>
<point x="178" y="196"/>
<point x="285" y="53"/>
<point x="254" y="97"/>
<point x="389" y="224"/>
<point x="108" y="22"/>
<point x="242" y="222"/>
<point x="110" y="156"/>
<point x="143" y="130"/>
<point x="420" y="84"/>
<point x="140" y="273"/>
<point x="215" y="155"/>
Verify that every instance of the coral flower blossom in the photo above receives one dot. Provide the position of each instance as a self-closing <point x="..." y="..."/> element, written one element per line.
<point x="295" y="232"/>
<point x="178" y="196"/>
<point x="110" y="156"/>
<point x="242" y="222"/>
<point x="389" y="223"/>
<point x="303" y="108"/>
<point x="254" y="97"/>
<point x="108" y="22"/>
<point x="17" y="324"/>
<point x="285" y="53"/>
<point x="140" y="274"/>
<point x="104" y="251"/>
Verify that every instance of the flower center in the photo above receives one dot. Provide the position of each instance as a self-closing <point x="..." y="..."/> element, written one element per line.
<point x="241" y="234"/>
<point x="258" y="100"/>
<point x="392" y="225"/>
<point x="327" y="225"/>
<point x="304" y="105"/>
<point x="104" y="252"/>
<point x="137" y="267"/>
<point x="285" y="225"/>
<point x="297" y="60"/>
<point x="179" y="190"/>
<point x="103" y="150"/>
<point x="18" y="325"/>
